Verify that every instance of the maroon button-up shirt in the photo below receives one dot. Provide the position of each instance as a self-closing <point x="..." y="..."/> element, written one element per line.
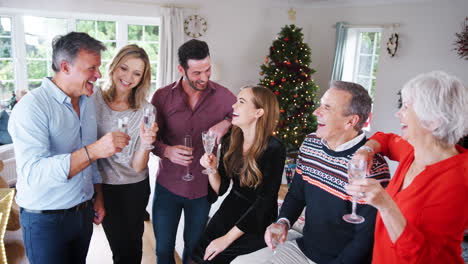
<point x="175" y="120"/>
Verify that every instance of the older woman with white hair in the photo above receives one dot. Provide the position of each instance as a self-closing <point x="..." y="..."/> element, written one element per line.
<point x="424" y="210"/>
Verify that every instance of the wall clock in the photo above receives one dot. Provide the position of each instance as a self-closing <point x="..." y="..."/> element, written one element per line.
<point x="195" y="26"/>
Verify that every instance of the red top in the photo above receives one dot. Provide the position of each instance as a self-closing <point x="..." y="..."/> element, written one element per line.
<point x="435" y="206"/>
<point x="175" y="120"/>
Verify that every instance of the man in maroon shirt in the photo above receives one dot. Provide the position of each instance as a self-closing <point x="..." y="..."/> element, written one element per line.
<point x="187" y="107"/>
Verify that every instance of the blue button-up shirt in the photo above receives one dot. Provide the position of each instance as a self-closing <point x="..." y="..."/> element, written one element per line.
<point x="45" y="130"/>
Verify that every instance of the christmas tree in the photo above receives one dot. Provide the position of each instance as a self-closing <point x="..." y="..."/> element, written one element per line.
<point x="286" y="72"/>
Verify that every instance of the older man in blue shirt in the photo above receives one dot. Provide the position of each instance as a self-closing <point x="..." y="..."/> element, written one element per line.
<point x="54" y="136"/>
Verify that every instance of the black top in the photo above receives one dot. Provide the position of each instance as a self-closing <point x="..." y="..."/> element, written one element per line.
<point x="254" y="209"/>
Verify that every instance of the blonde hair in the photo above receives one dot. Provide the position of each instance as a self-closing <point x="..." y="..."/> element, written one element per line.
<point x="246" y="164"/>
<point x="139" y="92"/>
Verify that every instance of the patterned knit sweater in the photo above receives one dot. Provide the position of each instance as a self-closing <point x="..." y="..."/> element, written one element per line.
<point x="318" y="185"/>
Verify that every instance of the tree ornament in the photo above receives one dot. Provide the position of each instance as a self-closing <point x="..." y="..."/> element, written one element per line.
<point x="277" y="93"/>
<point x="283" y="80"/>
<point x="286" y="39"/>
<point x="272" y="83"/>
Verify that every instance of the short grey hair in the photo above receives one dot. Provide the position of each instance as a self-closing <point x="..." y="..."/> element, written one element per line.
<point x="440" y="101"/>
<point x="360" y="104"/>
<point x="67" y="47"/>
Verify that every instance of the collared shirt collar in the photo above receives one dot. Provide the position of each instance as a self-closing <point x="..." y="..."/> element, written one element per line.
<point x="179" y="84"/>
<point x="57" y="93"/>
<point x="347" y="145"/>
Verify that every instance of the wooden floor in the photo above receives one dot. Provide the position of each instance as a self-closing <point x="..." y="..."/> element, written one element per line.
<point x="99" y="251"/>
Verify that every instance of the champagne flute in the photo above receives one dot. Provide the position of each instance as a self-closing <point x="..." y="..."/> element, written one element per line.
<point x="188" y="143"/>
<point x="122" y="126"/>
<point x="149" y="117"/>
<point x="356" y="171"/>
<point x="209" y="139"/>
<point x="275" y="233"/>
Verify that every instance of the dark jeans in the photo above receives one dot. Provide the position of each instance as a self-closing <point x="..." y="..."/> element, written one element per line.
<point x="167" y="208"/>
<point x="57" y="238"/>
<point x="124" y="222"/>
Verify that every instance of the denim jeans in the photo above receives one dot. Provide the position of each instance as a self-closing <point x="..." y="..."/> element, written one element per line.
<point x="167" y="209"/>
<point x="57" y="238"/>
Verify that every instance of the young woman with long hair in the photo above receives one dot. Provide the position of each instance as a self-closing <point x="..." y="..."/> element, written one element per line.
<point x="253" y="159"/>
<point x="125" y="175"/>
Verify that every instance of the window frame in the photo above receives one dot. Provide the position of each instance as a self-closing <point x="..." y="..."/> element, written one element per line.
<point x="13" y="49"/>
<point x="18" y="39"/>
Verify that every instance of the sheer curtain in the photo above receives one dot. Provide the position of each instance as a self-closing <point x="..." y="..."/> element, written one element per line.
<point x="171" y="37"/>
<point x="338" y="62"/>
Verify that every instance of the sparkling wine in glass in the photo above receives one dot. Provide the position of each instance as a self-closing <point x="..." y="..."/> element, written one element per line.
<point x="188" y="143"/>
<point x="275" y="233"/>
<point x="356" y="171"/>
<point x="122" y="126"/>
<point x="209" y="139"/>
<point x="149" y="117"/>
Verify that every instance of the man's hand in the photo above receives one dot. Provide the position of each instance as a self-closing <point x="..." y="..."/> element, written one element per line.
<point x="220" y="129"/>
<point x="179" y="154"/>
<point x="99" y="210"/>
<point x="276" y="234"/>
<point x="108" y="145"/>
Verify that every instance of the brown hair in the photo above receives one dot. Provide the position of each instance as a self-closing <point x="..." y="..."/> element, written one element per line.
<point x="139" y="92"/>
<point x="245" y="164"/>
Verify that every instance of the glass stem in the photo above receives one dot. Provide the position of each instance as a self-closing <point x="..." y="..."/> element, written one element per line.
<point x="353" y="211"/>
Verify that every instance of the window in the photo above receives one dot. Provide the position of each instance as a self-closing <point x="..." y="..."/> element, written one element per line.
<point x="105" y="31"/>
<point x="28" y="61"/>
<point x="7" y="72"/>
<point x="147" y="37"/>
<point x="362" y="56"/>
<point x="38" y="35"/>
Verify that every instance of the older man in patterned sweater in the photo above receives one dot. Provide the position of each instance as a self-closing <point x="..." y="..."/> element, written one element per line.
<point x="318" y="185"/>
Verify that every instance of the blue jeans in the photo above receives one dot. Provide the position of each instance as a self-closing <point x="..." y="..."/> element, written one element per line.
<point x="167" y="208"/>
<point x="57" y="238"/>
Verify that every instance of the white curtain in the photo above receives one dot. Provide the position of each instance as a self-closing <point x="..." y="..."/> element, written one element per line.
<point x="171" y="37"/>
<point x="338" y="61"/>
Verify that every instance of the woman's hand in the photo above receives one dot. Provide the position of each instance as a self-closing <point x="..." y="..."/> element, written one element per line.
<point x="370" y="191"/>
<point x="216" y="246"/>
<point x="209" y="161"/>
<point x="148" y="135"/>
<point x="365" y="153"/>
<point x="279" y="235"/>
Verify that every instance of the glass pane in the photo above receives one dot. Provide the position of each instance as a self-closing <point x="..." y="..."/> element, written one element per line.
<point x="367" y="42"/>
<point x="36" y="47"/>
<point x="154" y="71"/>
<point x="365" y="63"/>
<point x="6" y="90"/>
<point x="378" y="39"/>
<point x="365" y="82"/>
<point x="5" y="47"/>
<point x="86" y="26"/>
<point x="5" y="26"/>
<point x="152" y="89"/>
<point x="376" y="66"/>
<point x="151" y="49"/>
<point x="105" y="30"/>
<point x="151" y="33"/>
<point x="37" y="69"/>
<point x="103" y="69"/>
<point x="110" y="51"/>
<point x="39" y="33"/>
<point x="135" y="32"/>
<point x="34" y="84"/>
<point x="6" y="70"/>
<point x="372" y="91"/>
